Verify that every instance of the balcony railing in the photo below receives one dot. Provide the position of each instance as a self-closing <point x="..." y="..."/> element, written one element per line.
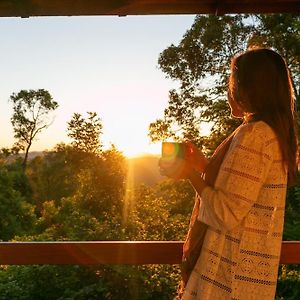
<point x="109" y="252"/>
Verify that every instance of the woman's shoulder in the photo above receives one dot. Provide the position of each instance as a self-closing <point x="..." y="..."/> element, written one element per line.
<point x="256" y="135"/>
<point x="258" y="130"/>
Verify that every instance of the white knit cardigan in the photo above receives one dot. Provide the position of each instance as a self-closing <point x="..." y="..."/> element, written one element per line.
<point x="244" y="212"/>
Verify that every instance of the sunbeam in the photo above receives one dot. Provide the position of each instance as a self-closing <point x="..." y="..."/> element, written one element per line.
<point x="129" y="192"/>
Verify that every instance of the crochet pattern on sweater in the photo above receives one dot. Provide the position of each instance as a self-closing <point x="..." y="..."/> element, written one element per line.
<point x="244" y="212"/>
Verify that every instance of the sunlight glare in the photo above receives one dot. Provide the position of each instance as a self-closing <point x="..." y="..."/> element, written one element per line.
<point x="129" y="193"/>
<point x="137" y="148"/>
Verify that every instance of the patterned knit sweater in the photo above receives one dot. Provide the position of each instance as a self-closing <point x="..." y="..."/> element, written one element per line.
<point x="245" y="214"/>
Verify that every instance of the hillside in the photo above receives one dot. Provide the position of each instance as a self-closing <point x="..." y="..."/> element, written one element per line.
<point x="144" y="170"/>
<point x="31" y="155"/>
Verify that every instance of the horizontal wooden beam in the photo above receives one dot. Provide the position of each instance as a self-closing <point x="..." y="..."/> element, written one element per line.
<point x="27" y="8"/>
<point x="290" y="253"/>
<point x="108" y="252"/>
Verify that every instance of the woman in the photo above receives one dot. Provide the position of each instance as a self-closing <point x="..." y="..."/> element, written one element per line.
<point x="243" y="187"/>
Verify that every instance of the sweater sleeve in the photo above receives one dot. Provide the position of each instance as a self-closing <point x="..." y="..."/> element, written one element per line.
<point x="240" y="178"/>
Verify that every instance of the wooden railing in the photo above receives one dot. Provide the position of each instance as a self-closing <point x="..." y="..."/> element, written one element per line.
<point x="109" y="252"/>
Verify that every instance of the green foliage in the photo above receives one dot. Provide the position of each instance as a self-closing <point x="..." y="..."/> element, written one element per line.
<point x="81" y="283"/>
<point x="19" y="179"/>
<point x="88" y="190"/>
<point x="54" y="175"/>
<point x="151" y="282"/>
<point x="158" y="213"/>
<point x="71" y="219"/>
<point x="95" y="210"/>
<point x="51" y="283"/>
<point x="30" y="116"/>
<point x="85" y="133"/>
<point x="292" y="215"/>
<point x="288" y="285"/>
<point x="16" y="214"/>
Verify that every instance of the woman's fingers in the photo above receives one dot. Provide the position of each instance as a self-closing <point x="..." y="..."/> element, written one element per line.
<point x="180" y="167"/>
<point x="195" y="157"/>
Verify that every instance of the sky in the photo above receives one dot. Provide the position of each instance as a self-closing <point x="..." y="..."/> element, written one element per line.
<point x="104" y="64"/>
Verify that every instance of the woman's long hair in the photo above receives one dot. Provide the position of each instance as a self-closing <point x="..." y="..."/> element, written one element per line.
<point x="261" y="84"/>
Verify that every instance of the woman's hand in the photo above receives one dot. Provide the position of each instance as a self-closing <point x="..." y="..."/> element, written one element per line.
<point x="176" y="169"/>
<point x="196" y="158"/>
<point x="181" y="168"/>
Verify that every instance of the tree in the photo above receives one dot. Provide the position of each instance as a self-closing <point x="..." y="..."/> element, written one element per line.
<point x="201" y="65"/>
<point x="54" y="175"/>
<point x="31" y="109"/>
<point x="16" y="214"/>
<point x="85" y="133"/>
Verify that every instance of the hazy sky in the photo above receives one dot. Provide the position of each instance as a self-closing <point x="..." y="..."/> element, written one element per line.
<point x="103" y="64"/>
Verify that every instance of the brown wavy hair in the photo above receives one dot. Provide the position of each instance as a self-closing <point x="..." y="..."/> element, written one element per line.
<point x="261" y="84"/>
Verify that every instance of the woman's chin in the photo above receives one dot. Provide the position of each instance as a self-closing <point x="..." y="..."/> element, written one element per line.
<point x="237" y="115"/>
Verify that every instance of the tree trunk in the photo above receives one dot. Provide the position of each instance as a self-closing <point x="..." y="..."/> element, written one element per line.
<point x="24" y="165"/>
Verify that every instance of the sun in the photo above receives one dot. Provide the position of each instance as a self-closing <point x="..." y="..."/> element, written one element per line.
<point x="136" y="149"/>
<point x="132" y="139"/>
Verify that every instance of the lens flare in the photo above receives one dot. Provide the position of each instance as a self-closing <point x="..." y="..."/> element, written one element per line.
<point x="173" y="158"/>
<point x="171" y="150"/>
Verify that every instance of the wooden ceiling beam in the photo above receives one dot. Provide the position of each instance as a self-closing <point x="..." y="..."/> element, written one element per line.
<point x="28" y="8"/>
